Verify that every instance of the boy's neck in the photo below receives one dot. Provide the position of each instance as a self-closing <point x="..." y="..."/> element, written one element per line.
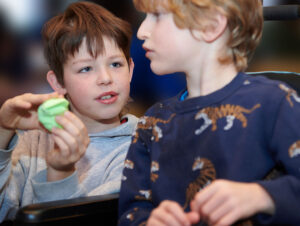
<point x="97" y="126"/>
<point x="94" y="126"/>
<point x="209" y="79"/>
<point x="206" y="74"/>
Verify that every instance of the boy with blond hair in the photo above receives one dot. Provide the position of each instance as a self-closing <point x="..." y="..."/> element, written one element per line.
<point x="87" y="49"/>
<point x="203" y="156"/>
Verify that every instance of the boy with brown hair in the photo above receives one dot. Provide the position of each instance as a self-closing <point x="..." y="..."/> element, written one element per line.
<point x="203" y="156"/>
<point x="87" y="49"/>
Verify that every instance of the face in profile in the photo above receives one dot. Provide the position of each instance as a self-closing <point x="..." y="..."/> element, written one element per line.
<point x="169" y="48"/>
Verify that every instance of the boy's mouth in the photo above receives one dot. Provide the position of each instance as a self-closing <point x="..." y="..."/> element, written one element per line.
<point x="107" y="98"/>
<point x="148" y="51"/>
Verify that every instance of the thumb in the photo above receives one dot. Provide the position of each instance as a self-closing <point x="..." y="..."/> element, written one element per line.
<point x="193" y="217"/>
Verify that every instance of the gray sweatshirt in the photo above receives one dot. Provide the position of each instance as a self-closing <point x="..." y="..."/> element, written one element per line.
<point x="23" y="169"/>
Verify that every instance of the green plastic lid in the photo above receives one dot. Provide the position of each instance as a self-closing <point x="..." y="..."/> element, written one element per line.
<point x="50" y="109"/>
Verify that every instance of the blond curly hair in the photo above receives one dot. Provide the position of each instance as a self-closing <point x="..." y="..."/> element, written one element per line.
<point x="244" y="21"/>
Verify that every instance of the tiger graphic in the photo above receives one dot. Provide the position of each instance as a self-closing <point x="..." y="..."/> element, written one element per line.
<point x="290" y="93"/>
<point x="206" y="176"/>
<point x="294" y="150"/>
<point x="151" y="123"/>
<point x="130" y="216"/>
<point x="210" y="115"/>
<point x="144" y="195"/>
<point x="154" y="169"/>
<point x="128" y="164"/>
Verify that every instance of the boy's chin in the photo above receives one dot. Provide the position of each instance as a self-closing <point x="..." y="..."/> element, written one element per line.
<point x="160" y="71"/>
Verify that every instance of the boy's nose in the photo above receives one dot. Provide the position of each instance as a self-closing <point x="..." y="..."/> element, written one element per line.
<point x="143" y="32"/>
<point x="104" y="77"/>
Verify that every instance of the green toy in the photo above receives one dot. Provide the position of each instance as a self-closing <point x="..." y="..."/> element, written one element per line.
<point x="50" y="109"/>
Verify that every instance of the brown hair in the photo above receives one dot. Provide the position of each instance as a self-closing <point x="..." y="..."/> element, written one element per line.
<point x="245" y="22"/>
<point x="63" y="34"/>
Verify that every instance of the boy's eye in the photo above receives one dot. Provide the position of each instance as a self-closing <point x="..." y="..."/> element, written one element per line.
<point x="116" y="64"/>
<point x="157" y="15"/>
<point x="154" y="14"/>
<point x="85" y="69"/>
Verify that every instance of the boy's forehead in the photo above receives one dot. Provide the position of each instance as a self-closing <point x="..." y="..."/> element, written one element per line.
<point x="109" y="47"/>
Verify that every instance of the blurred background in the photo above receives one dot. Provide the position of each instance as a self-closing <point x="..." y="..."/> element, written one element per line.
<point x="22" y="66"/>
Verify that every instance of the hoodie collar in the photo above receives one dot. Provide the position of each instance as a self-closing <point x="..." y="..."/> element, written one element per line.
<point x="125" y="129"/>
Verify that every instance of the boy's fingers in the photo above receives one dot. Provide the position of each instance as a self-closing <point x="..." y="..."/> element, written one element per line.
<point x="77" y="122"/>
<point x="165" y="218"/>
<point x="202" y="197"/>
<point x="218" y="213"/>
<point x="68" y="125"/>
<point x="155" y="222"/>
<point x="37" y="98"/>
<point x="67" y="138"/>
<point x="176" y="212"/>
<point x="193" y="217"/>
<point x="72" y="137"/>
<point x="64" y="150"/>
<point x="215" y="202"/>
<point x="76" y="138"/>
<point x="77" y="129"/>
<point x="27" y="100"/>
<point x="18" y="104"/>
<point x="229" y="218"/>
<point x="55" y="94"/>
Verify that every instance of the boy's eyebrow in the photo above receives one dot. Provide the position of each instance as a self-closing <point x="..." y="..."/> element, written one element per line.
<point x="116" y="56"/>
<point x="82" y="60"/>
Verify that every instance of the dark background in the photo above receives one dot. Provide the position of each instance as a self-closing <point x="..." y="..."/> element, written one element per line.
<point x="22" y="67"/>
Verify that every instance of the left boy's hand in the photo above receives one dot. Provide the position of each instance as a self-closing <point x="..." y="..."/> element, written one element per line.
<point x="224" y="202"/>
<point x="71" y="143"/>
<point x="20" y="112"/>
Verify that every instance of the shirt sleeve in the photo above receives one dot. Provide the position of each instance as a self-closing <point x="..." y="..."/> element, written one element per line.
<point x="285" y="147"/>
<point x="45" y="191"/>
<point x="135" y="196"/>
<point x="11" y="183"/>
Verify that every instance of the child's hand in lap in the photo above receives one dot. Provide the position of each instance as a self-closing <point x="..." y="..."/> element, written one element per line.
<point x="171" y="213"/>
<point x="71" y="143"/>
<point x="224" y="202"/>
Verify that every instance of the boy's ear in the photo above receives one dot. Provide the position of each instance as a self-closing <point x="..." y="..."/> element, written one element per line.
<point x="56" y="86"/>
<point x="215" y="28"/>
<point x="131" y="67"/>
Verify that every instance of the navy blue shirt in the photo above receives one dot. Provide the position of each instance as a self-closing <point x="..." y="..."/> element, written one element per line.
<point x="240" y="133"/>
